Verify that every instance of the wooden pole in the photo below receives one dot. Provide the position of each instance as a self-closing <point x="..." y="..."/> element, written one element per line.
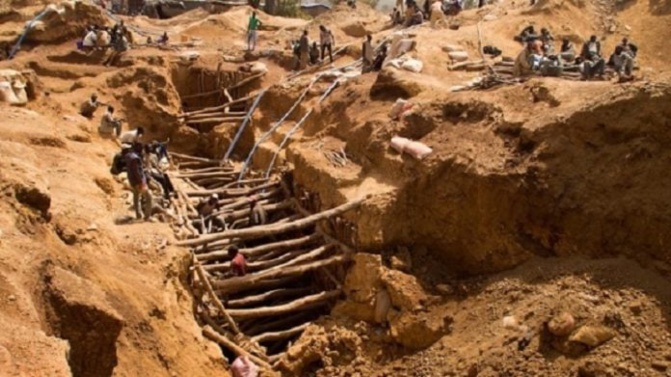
<point x="252" y="252"/>
<point x="270" y="295"/>
<point x="302" y="303"/>
<point x="243" y="282"/>
<point x="215" y="120"/>
<point x="267" y="230"/>
<point x="208" y="287"/>
<point x="280" y="335"/>
<point x="220" y="107"/>
<point x="209" y="333"/>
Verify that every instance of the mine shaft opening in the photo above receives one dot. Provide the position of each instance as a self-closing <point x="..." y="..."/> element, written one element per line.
<point x="296" y="254"/>
<point x="211" y="97"/>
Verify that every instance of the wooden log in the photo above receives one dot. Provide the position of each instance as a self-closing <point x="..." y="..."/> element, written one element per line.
<point x="209" y="333"/>
<point x="233" y="191"/>
<point x="212" y="174"/>
<point x="255" y="251"/>
<point x="222" y="113"/>
<point x="192" y="158"/>
<point x="220" y="107"/>
<point x="215" y="120"/>
<point x="267" y="230"/>
<point x="456" y="66"/>
<point x="303" y="303"/>
<point x="321" y="232"/>
<point x="245" y="81"/>
<point x="208" y="170"/>
<point x="245" y="282"/>
<point x="301" y="257"/>
<point x="208" y="288"/>
<point x="234" y="86"/>
<point x="257" y="266"/>
<point x="280" y="335"/>
<point x="246" y="182"/>
<point x="266" y="296"/>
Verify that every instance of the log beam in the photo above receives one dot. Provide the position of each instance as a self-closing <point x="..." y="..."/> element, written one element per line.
<point x="300" y="304"/>
<point x="209" y="333"/>
<point x="271" y="229"/>
<point x="266" y="296"/>
<point x="281" y="335"/>
<point x="249" y="281"/>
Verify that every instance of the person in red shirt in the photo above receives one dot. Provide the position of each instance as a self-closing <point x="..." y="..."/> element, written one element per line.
<point x="238" y="261"/>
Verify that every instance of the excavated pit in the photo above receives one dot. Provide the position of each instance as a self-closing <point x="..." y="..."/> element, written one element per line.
<point x="295" y="268"/>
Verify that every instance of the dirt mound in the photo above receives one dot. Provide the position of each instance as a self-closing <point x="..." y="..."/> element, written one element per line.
<point x="65" y="22"/>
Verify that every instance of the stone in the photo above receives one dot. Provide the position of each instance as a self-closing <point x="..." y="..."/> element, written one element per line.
<point x="636" y="307"/>
<point x="562" y="324"/>
<point x="510" y="322"/>
<point x="445" y="289"/>
<point x="489" y="17"/>
<point x="355" y="29"/>
<point x="452" y="48"/>
<point x="458" y="56"/>
<point x="382" y="306"/>
<point x="593" y="336"/>
<point x="11" y="298"/>
<point x="404" y="290"/>
<point x="660" y="366"/>
<point x="418" y="331"/>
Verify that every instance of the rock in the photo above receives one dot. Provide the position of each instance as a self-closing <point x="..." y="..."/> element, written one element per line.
<point x="562" y="324"/>
<point x="458" y="56"/>
<point x="382" y="306"/>
<point x="594" y="369"/>
<point x="363" y="278"/>
<point x="11" y="298"/>
<point x="452" y="48"/>
<point x="510" y="322"/>
<point x="660" y="366"/>
<point x="636" y="307"/>
<point x="79" y="312"/>
<point x="418" y="331"/>
<point x="612" y="28"/>
<point x="402" y="260"/>
<point x="593" y="336"/>
<point x="404" y="290"/>
<point x="445" y="289"/>
<point x="92" y="227"/>
<point x="489" y="17"/>
<point x="354" y="29"/>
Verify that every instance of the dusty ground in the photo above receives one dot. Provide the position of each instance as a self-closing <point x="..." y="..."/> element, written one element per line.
<point x="561" y="185"/>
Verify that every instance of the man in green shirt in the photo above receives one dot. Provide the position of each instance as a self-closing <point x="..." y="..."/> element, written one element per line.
<point x="252" y="27"/>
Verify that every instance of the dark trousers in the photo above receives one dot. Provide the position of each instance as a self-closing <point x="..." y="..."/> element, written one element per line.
<point x="164" y="181"/>
<point x="327" y="46"/>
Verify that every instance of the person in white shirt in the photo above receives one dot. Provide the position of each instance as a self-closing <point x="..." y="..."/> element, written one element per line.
<point x="109" y="125"/>
<point x="90" y="39"/>
<point x="437" y="15"/>
<point x="327" y="41"/>
<point x="130" y="137"/>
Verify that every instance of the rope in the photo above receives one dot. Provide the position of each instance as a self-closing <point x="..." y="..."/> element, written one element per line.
<point x="248" y="117"/>
<point x="295" y="128"/>
<point x="28" y="27"/>
<point x="265" y="136"/>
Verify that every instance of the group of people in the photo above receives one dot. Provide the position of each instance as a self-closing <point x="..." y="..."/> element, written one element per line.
<point x="539" y="55"/>
<point x="306" y="53"/>
<point x="433" y="10"/>
<point x="118" y="37"/>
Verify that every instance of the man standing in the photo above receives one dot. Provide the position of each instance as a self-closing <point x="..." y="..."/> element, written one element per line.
<point x="327" y="41"/>
<point x="437" y="14"/>
<point x="252" y="28"/>
<point x="238" y="261"/>
<point x="131" y="137"/>
<point x="367" y="54"/>
<point x="110" y="126"/>
<point x="304" y="51"/>
<point x="142" y="200"/>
